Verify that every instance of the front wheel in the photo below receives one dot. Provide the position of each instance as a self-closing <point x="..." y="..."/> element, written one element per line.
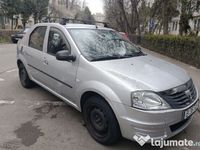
<point x="24" y="78"/>
<point x="100" y="121"/>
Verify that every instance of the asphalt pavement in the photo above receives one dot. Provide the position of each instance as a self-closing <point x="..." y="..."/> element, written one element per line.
<point x="34" y="119"/>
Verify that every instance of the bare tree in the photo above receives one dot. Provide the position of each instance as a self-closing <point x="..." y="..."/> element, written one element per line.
<point x="113" y="15"/>
<point x="188" y="7"/>
<point x="134" y="4"/>
<point x="163" y="11"/>
<point x="124" y="15"/>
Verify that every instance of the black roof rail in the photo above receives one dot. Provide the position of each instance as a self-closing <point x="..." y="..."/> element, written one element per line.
<point x="64" y="21"/>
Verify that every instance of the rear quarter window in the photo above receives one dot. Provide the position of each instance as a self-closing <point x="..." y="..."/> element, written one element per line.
<point x="36" y="39"/>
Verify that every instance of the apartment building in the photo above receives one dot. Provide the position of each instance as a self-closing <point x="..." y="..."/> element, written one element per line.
<point x="194" y="23"/>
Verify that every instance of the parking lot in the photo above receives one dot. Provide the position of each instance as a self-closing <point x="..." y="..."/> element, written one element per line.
<point x="34" y="119"/>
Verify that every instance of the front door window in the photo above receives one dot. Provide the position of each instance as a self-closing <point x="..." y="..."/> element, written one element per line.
<point x="57" y="42"/>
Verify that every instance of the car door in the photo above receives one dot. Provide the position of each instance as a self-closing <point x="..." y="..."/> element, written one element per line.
<point x="61" y="75"/>
<point x="34" y="53"/>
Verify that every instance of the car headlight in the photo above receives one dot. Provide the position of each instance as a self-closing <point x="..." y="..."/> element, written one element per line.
<point x="148" y="100"/>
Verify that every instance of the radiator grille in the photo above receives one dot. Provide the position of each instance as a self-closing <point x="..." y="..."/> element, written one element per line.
<point x="181" y="96"/>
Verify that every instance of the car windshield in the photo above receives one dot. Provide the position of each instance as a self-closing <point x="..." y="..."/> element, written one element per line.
<point x="98" y="44"/>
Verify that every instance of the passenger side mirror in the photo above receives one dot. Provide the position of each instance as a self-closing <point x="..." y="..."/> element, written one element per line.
<point x="65" y="56"/>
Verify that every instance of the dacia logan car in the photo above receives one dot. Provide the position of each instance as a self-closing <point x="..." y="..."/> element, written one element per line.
<point x="121" y="91"/>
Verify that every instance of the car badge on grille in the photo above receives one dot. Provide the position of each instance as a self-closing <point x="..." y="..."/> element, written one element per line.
<point x="188" y="94"/>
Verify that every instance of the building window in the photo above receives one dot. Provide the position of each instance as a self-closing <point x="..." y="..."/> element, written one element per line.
<point x="198" y="26"/>
<point x="176" y="25"/>
<point x="195" y="24"/>
<point x="173" y="24"/>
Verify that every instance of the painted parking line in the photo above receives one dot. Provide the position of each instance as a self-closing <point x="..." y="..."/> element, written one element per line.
<point x="1" y="79"/>
<point x="9" y="71"/>
<point x="194" y="68"/>
<point x="2" y="102"/>
<point x="56" y="103"/>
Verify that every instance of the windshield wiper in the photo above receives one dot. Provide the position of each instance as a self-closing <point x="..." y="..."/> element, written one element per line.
<point x="135" y="54"/>
<point x="106" y="58"/>
<point x="118" y="56"/>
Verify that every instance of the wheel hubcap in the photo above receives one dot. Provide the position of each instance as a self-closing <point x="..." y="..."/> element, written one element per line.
<point x="98" y="120"/>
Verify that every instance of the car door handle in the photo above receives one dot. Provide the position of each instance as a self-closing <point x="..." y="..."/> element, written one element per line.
<point x="45" y="61"/>
<point x="22" y="51"/>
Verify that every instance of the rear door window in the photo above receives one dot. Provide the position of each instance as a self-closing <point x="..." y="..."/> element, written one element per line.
<point x="36" y="39"/>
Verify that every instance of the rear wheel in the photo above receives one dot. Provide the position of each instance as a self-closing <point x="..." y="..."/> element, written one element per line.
<point x="24" y="78"/>
<point x="101" y="121"/>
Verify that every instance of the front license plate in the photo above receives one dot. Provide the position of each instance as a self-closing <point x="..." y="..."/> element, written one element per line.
<point x="187" y="113"/>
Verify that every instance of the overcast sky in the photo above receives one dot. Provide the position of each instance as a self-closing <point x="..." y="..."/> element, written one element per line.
<point x="95" y="5"/>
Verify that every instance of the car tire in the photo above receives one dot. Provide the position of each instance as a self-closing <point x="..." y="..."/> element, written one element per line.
<point x="100" y="121"/>
<point x="26" y="82"/>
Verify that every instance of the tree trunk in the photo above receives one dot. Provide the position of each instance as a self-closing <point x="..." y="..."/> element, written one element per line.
<point x="161" y="24"/>
<point x="35" y="19"/>
<point x="2" y="22"/>
<point x="181" y="22"/>
<point x="156" y="26"/>
<point x="121" y="6"/>
<point x="165" y="17"/>
<point x="16" y="23"/>
<point x="181" y="26"/>
<point x="12" y="23"/>
<point x="135" y="6"/>
<point x="24" y="23"/>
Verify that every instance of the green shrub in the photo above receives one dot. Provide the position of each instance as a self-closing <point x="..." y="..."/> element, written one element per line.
<point x="183" y="48"/>
<point x="2" y="40"/>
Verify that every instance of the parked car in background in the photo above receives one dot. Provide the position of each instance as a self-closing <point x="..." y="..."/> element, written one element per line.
<point x="19" y="35"/>
<point x="121" y="91"/>
<point x="124" y="35"/>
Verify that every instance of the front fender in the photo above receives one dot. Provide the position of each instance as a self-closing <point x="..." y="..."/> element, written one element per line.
<point x="99" y="88"/>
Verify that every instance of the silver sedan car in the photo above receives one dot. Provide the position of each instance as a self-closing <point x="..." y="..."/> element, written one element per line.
<point x="121" y="91"/>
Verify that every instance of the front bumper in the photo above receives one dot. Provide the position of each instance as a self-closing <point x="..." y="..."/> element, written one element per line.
<point x="161" y="124"/>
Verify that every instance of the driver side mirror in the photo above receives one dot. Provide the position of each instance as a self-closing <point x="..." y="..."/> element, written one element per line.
<point x="65" y="56"/>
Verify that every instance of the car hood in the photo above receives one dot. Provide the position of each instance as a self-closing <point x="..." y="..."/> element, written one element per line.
<point x="148" y="72"/>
